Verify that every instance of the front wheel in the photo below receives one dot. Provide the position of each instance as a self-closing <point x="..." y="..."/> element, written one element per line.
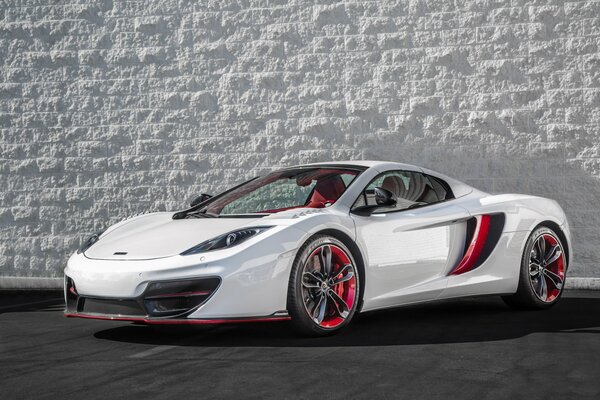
<point x="324" y="287"/>
<point x="543" y="272"/>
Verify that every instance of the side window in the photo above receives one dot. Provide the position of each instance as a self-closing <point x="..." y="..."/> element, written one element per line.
<point x="410" y="189"/>
<point x="441" y="188"/>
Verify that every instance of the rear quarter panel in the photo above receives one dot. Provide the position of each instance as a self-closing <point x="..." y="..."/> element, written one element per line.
<point x="523" y="212"/>
<point x="499" y="274"/>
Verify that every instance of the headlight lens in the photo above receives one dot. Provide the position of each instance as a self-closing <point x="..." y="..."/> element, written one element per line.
<point x="226" y="240"/>
<point x="87" y="243"/>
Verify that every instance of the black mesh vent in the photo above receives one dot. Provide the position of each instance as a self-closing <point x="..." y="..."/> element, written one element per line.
<point x="90" y="305"/>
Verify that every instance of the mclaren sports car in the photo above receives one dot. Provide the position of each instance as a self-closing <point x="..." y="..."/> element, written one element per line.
<point x="316" y="244"/>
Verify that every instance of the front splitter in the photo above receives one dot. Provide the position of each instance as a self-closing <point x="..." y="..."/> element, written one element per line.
<point x="180" y="321"/>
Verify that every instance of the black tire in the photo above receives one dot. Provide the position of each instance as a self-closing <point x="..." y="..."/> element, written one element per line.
<point x="300" y="298"/>
<point x="527" y="296"/>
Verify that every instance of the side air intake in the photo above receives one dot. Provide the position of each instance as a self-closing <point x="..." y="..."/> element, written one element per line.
<point x="483" y="233"/>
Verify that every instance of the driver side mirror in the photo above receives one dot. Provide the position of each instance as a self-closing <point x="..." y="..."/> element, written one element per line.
<point x="383" y="198"/>
<point x="200" y="199"/>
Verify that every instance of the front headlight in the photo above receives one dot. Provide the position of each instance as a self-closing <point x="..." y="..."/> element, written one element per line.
<point x="87" y="243"/>
<point x="226" y="240"/>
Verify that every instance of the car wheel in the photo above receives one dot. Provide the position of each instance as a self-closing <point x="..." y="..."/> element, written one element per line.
<point x="543" y="271"/>
<point x="324" y="287"/>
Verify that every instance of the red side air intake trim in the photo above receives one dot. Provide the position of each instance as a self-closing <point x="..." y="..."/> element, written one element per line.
<point x="476" y="246"/>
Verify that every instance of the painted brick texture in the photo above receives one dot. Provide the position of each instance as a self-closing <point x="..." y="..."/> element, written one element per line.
<point x="111" y="108"/>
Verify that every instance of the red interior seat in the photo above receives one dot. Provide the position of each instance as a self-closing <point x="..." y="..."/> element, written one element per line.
<point x="327" y="190"/>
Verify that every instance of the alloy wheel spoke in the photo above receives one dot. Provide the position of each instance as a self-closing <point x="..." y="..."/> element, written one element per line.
<point x="339" y="303"/>
<point x="310" y="285"/>
<point x="556" y="279"/>
<point x="319" y="310"/>
<point x="346" y="273"/>
<point x="542" y="288"/>
<point x="541" y="247"/>
<point x="312" y="277"/>
<point x="552" y="255"/>
<point x="317" y="304"/>
<point x="343" y="279"/>
<point x="325" y="259"/>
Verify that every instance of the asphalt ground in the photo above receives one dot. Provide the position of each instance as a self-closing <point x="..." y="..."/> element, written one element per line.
<point x="463" y="349"/>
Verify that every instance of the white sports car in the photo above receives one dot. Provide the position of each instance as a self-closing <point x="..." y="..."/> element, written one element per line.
<point x="317" y="244"/>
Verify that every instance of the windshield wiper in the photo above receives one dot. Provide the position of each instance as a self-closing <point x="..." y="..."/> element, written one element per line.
<point x="202" y="213"/>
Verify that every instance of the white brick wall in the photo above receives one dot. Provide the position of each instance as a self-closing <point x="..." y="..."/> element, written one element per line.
<point x="109" y="108"/>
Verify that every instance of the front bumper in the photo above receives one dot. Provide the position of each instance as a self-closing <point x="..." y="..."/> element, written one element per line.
<point x="168" y="302"/>
<point x="160" y="299"/>
<point x="253" y="283"/>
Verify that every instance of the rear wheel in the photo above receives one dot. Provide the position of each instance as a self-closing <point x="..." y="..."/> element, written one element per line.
<point x="543" y="272"/>
<point x="324" y="287"/>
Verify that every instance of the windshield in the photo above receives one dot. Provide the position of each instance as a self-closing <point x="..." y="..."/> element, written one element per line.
<point x="284" y="190"/>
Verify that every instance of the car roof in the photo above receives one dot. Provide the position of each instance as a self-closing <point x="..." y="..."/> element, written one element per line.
<point x="458" y="188"/>
<point x="364" y="164"/>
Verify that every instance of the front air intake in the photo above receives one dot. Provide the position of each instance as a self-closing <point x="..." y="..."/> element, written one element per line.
<point x="160" y="299"/>
<point x="164" y="299"/>
<point x="71" y="296"/>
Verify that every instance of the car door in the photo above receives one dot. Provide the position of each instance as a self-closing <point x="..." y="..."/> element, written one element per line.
<point x="411" y="246"/>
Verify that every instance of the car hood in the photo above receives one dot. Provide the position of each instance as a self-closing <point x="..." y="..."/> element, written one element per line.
<point x="158" y="235"/>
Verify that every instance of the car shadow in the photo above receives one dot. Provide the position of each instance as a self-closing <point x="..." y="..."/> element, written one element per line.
<point x="457" y="321"/>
